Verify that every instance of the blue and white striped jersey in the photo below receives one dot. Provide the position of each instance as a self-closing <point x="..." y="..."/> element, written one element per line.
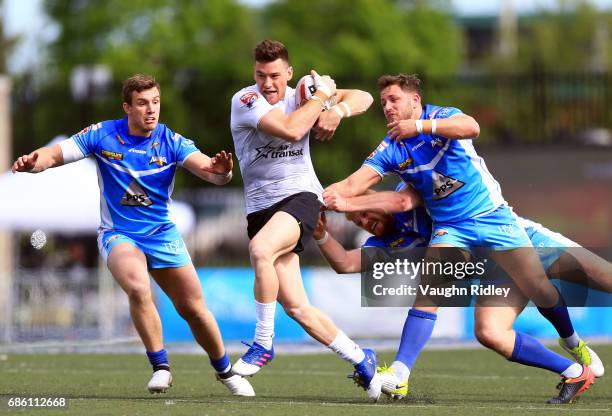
<point x="135" y="174"/>
<point x="452" y="179"/>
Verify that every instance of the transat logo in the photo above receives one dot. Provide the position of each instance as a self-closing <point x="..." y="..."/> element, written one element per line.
<point x="135" y="196"/>
<point x="268" y="151"/>
<point x="443" y="186"/>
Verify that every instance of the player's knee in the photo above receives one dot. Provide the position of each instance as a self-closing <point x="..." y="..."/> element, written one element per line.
<point x="299" y="313"/>
<point x="139" y="294"/>
<point x="192" y="314"/>
<point x="487" y="334"/>
<point x="259" y="252"/>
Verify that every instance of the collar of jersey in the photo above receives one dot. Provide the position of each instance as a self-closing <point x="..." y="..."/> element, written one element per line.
<point x="125" y="135"/>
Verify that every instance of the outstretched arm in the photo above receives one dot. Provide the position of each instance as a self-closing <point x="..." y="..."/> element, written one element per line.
<point x="348" y="103"/>
<point x="459" y="126"/>
<point x="386" y="202"/>
<point x="39" y="160"/>
<point x="341" y="260"/>
<point x="356" y="184"/>
<point x="217" y="170"/>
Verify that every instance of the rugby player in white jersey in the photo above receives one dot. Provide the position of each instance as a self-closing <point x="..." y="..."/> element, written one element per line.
<point x="283" y="198"/>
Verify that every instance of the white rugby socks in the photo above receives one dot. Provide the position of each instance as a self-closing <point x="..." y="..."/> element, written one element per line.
<point x="347" y="349"/>
<point x="264" y="330"/>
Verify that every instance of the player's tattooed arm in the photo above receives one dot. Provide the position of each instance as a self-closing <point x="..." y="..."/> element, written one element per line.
<point x="459" y="126"/>
<point x="340" y="259"/>
<point x="386" y="202"/>
<point x="39" y="160"/>
<point x="216" y="170"/>
<point x="348" y="103"/>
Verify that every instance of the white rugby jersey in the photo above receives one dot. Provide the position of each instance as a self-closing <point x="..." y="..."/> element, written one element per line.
<point x="272" y="168"/>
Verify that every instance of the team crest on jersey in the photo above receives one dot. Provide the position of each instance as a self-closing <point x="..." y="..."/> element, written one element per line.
<point x="382" y="146"/>
<point x="404" y="165"/>
<point x="249" y="98"/>
<point x="112" y="155"/>
<point x="436" y="142"/>
<point x="158" y="160"/>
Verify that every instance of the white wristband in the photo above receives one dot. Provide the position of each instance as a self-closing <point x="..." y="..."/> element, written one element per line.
<point x="347" y="109"/>
<point x="419" y="126"/>
<point x="323" y="240"/>
<point x="433" y="126"/>
<point x="338" y="110"/>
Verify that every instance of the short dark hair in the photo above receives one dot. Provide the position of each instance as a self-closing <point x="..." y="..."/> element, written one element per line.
<point x="138" y="83"/>
<point x="271" y="50"/>
<point x="409" y="83"/>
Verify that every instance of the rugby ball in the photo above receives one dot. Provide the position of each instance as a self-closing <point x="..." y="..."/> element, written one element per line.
<point x="304" y="90"/>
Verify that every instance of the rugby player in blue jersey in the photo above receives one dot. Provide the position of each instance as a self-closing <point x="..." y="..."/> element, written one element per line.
<point x="137" y="158"/>
<point x="430" y="147"/>
<point x="409" y="229"/>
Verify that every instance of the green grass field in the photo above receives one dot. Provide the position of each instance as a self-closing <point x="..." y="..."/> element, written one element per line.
<point x="450" y="382"/>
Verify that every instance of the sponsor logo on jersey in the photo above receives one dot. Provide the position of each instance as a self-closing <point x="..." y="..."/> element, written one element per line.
<point x="404" y="165"/>
<point x="158" y="160"/>
<point x="135" y="196"/>
<point x="249" y="98"/>
<point x="509" y="229"/>
<point x="175" y="246"/>
<point x="421" y="143"/>
<point x="112" y="155"/>
<point x="440" y="112"/>
<point x="443" y="185"/>
<point x="268" y="151"/>
<point x="140" y="152"/>
<point x="187" y="142"/>
<point x="111" y="239"/>
<point x="382" y="146"/>
<point x="156" y="144"/>
<point x="93" y="127"/>
<point x="440" y="232"/>
<point x="397" y="243"/>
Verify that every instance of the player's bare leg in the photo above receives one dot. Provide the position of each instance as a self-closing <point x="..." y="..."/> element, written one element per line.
<point x="579" y="265"/>
<point x="182" y="286"/>
<point x="493" y="329"/>
<point x="292" y="296"/>
<point x="524" y="267"/>
<point x="279" y="236"/>
<point x="128" y="266"/>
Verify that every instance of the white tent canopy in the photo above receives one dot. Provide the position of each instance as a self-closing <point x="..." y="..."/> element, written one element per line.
<point x="64" y="199"/>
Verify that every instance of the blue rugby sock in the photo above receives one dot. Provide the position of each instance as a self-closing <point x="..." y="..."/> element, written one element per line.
<point x="222" y="365"/>
<point x="417" y="330"/>
<point x="529" y="351"/>
<point x="159" y="360"/>
<point x="559" y="317"/>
